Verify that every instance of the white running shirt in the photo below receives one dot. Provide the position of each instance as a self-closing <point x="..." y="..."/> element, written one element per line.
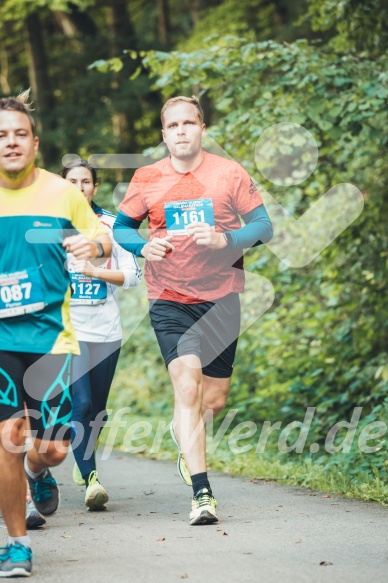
<point x="101" y="322"/>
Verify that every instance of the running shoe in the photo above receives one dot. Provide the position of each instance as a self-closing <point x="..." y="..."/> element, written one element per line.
<point x="45" y="493"/>
<point x="77" y="476"/>
<point x="15" y="561"/>
<point x="203" y="508"/>
<point x="34" y="519"/>
<point x="96" y="496"/>
<point x="181" y="464"/>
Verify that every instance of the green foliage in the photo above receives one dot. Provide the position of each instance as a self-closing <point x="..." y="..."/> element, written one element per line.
<point x="19" y="9"/>
<point x="358" y="24"/>
<point x="149" y="435"/>
<point x="257" y="19"/>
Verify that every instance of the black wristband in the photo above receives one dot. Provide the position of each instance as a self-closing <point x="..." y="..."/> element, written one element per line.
<point x="101" y="249"/>
<point x="227" y="238"/>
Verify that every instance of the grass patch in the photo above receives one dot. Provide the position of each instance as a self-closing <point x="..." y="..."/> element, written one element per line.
<point x="149" y="436"/>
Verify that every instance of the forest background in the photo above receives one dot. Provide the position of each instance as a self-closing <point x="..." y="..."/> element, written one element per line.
<point x="100" y="71"/>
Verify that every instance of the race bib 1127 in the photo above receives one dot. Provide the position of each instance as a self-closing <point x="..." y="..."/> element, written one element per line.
<point x="87" y="290"/>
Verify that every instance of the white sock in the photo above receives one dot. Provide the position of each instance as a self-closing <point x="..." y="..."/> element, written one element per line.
<point x="22" y="540"/>
<point x="29" y="472"/>
<point x="27" y="444"/>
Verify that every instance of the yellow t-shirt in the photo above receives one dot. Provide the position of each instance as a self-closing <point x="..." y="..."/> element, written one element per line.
<point x="34" y="282"/>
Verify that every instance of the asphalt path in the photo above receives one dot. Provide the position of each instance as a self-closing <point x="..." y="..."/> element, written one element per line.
<point x="267" y="533"/>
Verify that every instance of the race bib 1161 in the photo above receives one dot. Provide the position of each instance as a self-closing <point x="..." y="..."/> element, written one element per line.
<point x="181" y="213"/>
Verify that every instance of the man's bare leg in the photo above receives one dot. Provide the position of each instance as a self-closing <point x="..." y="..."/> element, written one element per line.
<point x="12" y="478"/>
<point x="46" y="454"/>
<point x="190" y="386"/>
<point x="186" y="377"/>
<point x="214" y="395"/>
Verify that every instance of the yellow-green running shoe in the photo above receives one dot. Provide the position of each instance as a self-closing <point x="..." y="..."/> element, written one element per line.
<point x="96" y="496"/>
<point x="203" y="508"/>
<point x="77" y="476"/>
<point x="181" y="464"/>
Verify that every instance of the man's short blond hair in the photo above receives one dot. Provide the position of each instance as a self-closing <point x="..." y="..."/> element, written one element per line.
<point x="182" y="99"/>
<point x="20" y="103"/>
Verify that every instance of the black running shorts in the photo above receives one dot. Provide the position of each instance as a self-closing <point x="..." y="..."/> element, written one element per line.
<point x="41" y="382"/>
<point x="208" y="330"/>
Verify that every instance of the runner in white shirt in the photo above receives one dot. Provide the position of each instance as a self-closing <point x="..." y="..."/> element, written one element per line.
<point x="95" y="316"/>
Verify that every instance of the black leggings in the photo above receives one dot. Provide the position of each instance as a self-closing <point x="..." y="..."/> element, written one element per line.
<point x="92" y="375"/>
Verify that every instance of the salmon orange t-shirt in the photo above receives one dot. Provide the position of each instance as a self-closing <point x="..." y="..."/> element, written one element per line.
<point x="216" y="192"/>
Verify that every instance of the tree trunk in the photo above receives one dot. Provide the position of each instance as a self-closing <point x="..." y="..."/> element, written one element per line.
<point x="75" y="23"/>
<point x="122" y="36"/>
<point x="163" y="21"/>
<point x="65" y="23"/>
<point x="196" y="8"/>
<point x="4" y="68"/>
<point x="41" y="86"/>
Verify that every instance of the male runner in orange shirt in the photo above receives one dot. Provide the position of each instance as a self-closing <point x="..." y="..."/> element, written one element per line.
<point x="194" y="274"/>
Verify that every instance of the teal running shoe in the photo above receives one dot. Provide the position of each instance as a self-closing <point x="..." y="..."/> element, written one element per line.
<point x="45" y="493"/>
<point x="15" y="561"/>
